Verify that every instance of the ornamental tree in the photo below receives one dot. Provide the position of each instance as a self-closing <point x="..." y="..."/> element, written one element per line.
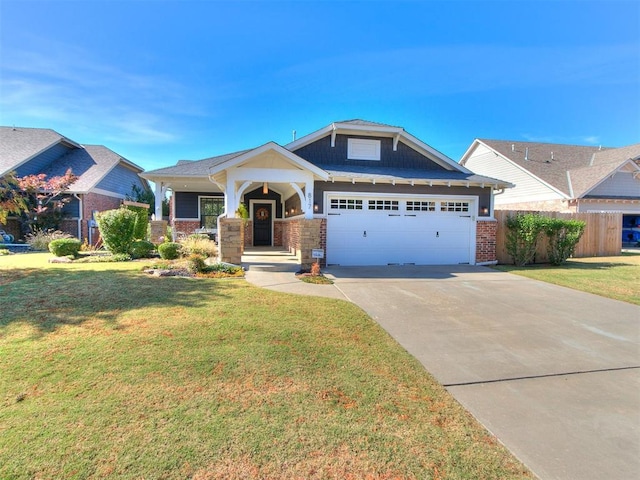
<point x="44" y="199"/>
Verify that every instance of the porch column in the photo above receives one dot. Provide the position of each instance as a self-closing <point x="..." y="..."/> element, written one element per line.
<point x="159" y="194"/>
<point x="308" y="203"/>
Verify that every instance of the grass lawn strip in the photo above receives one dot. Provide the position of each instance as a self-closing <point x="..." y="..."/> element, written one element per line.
<point x="612" y="277"/>
<point x="109" y="373"/>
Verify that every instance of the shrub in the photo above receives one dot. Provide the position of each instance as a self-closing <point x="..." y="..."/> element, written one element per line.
<point x="200" y="245"/>
<point x="141" y="222"/>
<point x="522" y="236"/>
<point x="63" y="247"/>
<point x="117" y="228"/>
<point x="195" y="263"/>
<point x="4" y="251"/>
<point x="169" y="250"/>
<point x="563" y="236"/>
<point x="142" y="249"/>
<point x="118" y="257"/>
<point x="39" y="240"/>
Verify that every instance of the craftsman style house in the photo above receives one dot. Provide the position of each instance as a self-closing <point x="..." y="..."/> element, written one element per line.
<point x="104" y="177"/>
<point x="354" y="192"/>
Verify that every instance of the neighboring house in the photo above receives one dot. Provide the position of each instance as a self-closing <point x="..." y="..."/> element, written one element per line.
<point x="362" y="192"/>
<point x="104" y="177"/>
<point x="562" y="178"/>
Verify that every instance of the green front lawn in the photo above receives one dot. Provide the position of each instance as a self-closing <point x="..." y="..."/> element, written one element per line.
<point x="612" y="277"/>
<point x="107" y="372"/>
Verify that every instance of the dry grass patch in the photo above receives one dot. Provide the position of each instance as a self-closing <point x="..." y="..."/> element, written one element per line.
<point x="109" y="373"/>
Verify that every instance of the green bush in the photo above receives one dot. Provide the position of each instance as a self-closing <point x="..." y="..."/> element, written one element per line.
<point x="522" y="236"/>
<point x="195" y="263"/>
<point x="169" y="250"/>
<point x="118" y="229"/>
<point x="63" y="247"/>
<point x="142" y="249"/>
<point x="141" y="223"/>
<point x="563" y="236"/>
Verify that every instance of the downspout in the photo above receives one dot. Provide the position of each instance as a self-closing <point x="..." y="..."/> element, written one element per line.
<point x="80" y="217"/>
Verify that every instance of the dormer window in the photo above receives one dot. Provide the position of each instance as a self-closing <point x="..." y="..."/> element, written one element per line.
<point x="362" y="149"/>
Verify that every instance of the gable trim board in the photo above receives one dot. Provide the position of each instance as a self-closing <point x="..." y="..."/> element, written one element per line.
<point x="311" y="172"/>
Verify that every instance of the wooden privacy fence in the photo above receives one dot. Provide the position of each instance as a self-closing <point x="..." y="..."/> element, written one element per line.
<point x="602" y="236"/>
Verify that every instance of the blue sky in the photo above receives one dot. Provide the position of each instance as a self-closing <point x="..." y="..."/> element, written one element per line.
<point x="159" y="81"/>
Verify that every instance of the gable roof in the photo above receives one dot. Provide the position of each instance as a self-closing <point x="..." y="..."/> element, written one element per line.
<point x="368" y="128"/>
<point x="91" y="164"/>
<point x="571" y="169"/>
<point x="18" y="145"/>
<point x="452" y="174"/>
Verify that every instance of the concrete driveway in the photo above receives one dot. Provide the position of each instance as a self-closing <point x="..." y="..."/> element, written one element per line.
<point x="552" y="372"/>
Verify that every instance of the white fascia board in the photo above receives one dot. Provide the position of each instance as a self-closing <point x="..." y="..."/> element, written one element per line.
<point x="344" y="129"/>
<point x="527" y="172"/>
<point x="418" y="182"/>
<point x="310" y="138"/>
<point x="629" y="162"/>
<point x="377" y="129"/>
<point x="469" y="151"/>
<point x="434" y="154"/>
<point x="292" y="157"/>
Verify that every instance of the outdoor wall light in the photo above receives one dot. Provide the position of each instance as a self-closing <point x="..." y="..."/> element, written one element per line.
<point x="315" y="207"/>
<point x="265" y="188"/>
<point x="484" y="210"/>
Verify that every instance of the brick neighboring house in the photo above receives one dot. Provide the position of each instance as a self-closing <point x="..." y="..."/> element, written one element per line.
<point x="104" y="177"/>
<point x="363" y="193"/>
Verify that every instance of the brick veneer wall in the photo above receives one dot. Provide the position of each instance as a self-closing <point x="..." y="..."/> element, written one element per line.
<point x="486" y="241"/>
<point x="101" y="203"/>
<point x="300" y="236"/>
<point x="185" y="227"/>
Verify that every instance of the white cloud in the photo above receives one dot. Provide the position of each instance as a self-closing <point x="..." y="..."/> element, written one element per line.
<point x="64" y="85"/>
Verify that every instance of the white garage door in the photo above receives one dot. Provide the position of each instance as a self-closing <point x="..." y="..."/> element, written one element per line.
<point x="400" y="230"/>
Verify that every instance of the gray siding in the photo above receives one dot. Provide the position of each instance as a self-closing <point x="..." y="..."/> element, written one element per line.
<point x="321" y="152"/>
<point x="39" y="163"/>
<point x="72" y="209"/>
<point x="483" y="194"/>
<point x="258" y="195"/>
<point x="120" y="180"/>
<point x="186" y="203"/>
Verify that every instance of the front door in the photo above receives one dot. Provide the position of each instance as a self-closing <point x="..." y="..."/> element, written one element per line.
<point x="262" y="224"/>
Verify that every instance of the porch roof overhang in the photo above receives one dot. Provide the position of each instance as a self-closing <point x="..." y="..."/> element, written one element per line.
<point x="414" y="178"/>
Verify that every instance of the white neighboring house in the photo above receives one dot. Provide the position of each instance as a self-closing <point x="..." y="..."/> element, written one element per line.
<point x="561" y="178"/>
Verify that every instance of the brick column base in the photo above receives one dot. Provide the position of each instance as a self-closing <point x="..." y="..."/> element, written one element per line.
<point x="158" y="231"/>
<point x="486" y="241"/>
<point x="310" y="238"/>
<point x="231" y="240"/>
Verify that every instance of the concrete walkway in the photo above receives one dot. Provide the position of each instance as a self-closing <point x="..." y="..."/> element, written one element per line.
<point x="552" y="372"/>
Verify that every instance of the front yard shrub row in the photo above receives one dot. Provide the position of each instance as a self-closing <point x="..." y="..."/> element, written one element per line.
<point x="63" y="247"/>
<point x="169" y="250"/>
<point x="141" y="249"/>
<point x="524" y="230"/>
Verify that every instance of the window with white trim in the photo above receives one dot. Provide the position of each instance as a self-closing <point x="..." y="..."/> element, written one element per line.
<point x="421" y="206"/>
<point x="363" y="149"/>
<point x="454" y="206"/>
<point x="383" y="205"/>
<point x="346" y="204"/>
<point x="210" y="209"/>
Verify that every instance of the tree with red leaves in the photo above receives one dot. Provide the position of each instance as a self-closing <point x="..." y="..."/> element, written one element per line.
<point x="44" y="199"/>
